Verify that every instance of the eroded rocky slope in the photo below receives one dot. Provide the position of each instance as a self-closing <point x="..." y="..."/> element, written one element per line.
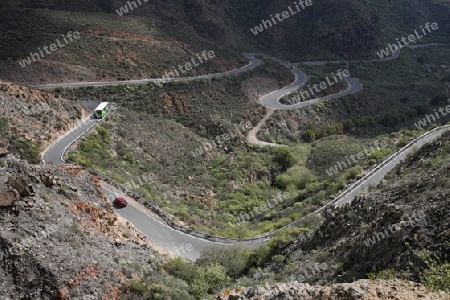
<point x="34" y="119"/>
<point x="60" y="238"/>
<point x="361" y="289"/>
<point x="400" y="229"/>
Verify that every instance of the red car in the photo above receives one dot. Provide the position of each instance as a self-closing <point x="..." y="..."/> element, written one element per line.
<point x="121" y="202"/>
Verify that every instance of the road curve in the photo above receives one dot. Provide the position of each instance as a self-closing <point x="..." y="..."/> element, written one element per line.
<point x="162" y="234"/>
<point x="251" y="135"/>
<point x="54" y="154"/>
<point x="152" y="227"/>
<point x="172" y="239"/>
<point x="376" y="175"/>
<point x="253" y="63"/>
<point x="272" y="100"/>
<point x="394" y="55"/>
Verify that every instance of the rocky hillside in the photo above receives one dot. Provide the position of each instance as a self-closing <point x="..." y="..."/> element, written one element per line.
<point x="391" y="227"/>
<point x="361" y="289"/>
<point x="400" y="229"/>
<point x="31" y="120"/>
<point x="150" y="38"/>
<point x="60" y="238"/>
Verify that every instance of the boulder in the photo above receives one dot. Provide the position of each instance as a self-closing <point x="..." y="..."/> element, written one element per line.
<point x="8" y="197"/>
<point x="50" y="180"/>
<point x="21" y="184"/>
<point x="3" y="152"/>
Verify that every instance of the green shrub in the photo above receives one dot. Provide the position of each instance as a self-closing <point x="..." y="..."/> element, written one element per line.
<point x="437" y="275"/>
<point x="284" y="159"/>
<point x="216" y="277"/>
<point x="59" y="126"/>
<point x="26" y="149"/>
<point x="45" y="197"/>
<point x="137" y="287"/>
<point x="388" y="274"/>
<point x="262" y="255"/>
<point x="312" y="133"/>
<point x="4" y="127"/>
<point x="201" y="280"/>
<point x="389" y="120"/>
<point x="297" y="176"/>
<point x="154" y="291"/>
<point x="352" y="172"/>
<point x="233" y="259"/>
<point x="379" y="154"/>
<point x="181" y="269"/>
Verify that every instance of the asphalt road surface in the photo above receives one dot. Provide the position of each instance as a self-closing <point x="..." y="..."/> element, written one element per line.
<point x="173" y="240"/>
<point x="154" y="228"/>
<point x="158" y="231"/>
<point x="254" y="62"/>
<point x="381" y="170"/>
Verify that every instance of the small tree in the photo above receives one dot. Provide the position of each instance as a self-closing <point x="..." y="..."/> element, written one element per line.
<point x="284" y="159"/>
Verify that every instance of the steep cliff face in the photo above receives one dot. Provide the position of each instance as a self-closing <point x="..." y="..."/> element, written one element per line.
<point x="211" y="19"/>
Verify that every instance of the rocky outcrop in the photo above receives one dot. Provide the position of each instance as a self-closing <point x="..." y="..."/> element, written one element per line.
<point x="21" y="184"/>
<point x="33" y="116"/>
<point x="16" y="187"/>
<point x="50" y="180"/>
<point x="361" y="289"/>
<point x="65" y="242"/>
<point x="3" y="152"/>
<point x="8" y="197"/>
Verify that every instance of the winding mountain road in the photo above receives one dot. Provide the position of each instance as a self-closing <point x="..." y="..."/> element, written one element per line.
<point x="394" y="55"/>
<point x="151" y="226"/>
<point x="272" y="100"/>
<point x="174" y="240"/>
<point x="376" y="175"/>
<point x="253" y="63"/>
